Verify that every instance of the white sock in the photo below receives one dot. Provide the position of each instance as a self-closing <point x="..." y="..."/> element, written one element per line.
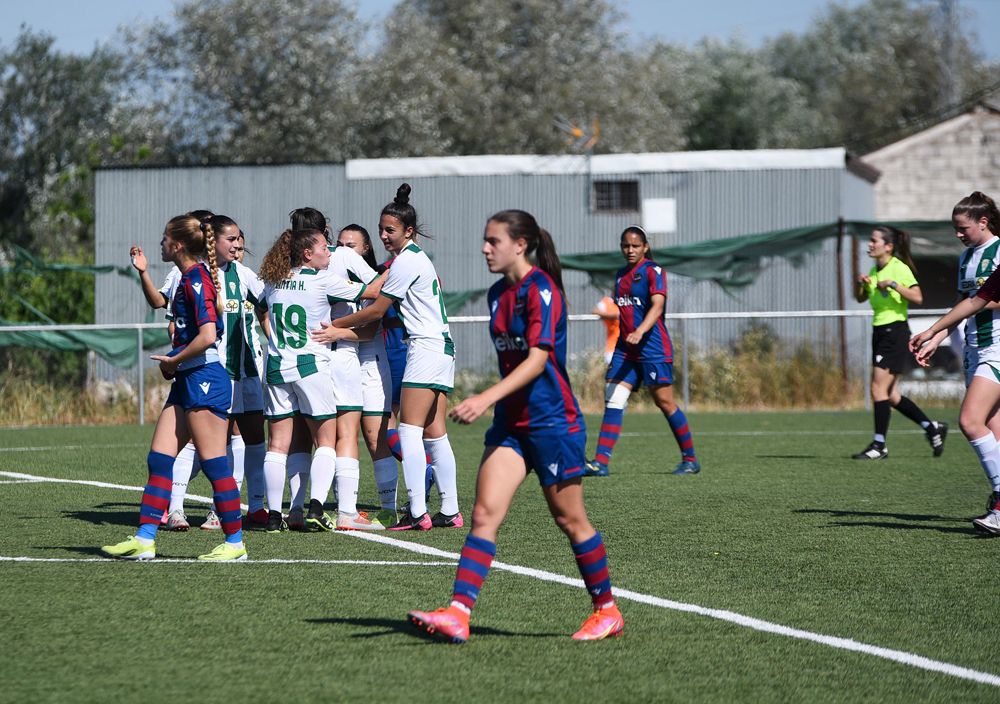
<point x="298" y="475"/>
<point x="989" y="457"/>
<point x="256" y="485"/>
<point x="236" y="454"/>
<point x="348" y="476"/>
<point x="414" y="466"/>
<point x="274" y="478"/>
<point x="322" y="471"/>
<point x="386" y="477"/>
<point x="445" y="472"/>
<point x="183" y="464"/>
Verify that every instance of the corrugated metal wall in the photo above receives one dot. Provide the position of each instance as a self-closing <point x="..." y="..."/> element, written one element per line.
<point x="133" y="204"/>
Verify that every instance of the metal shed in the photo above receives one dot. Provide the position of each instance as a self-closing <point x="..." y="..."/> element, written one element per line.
<point x="583" y="201"/>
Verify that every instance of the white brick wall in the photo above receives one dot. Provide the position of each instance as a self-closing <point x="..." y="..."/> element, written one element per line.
<point x="924" y="175"/>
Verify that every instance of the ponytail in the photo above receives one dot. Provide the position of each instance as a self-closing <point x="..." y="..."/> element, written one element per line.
<point x="287" y="252"/>
<point x="276" y="266"/>
<point x="978" y="205"/>
<point x="547" y="259"/>
<point x="900" y="242"/>
<point x="213" y="267"/>
<point x="523" y="226"/>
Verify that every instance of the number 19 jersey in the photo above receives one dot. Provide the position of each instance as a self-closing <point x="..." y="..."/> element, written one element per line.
<point x="295" y="306"/>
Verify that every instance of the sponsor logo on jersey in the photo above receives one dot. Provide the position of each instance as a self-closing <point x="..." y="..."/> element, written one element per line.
<point x="180" y="323"/>
<point x="658" y="270"/>
<point x="232" y="305"/>
<point x="197" y="288"/>
<point x="554" y="468"/>
<point x="624" y="301"/>
<point x="652" y="375"/>
<point x="248" y="306"/>
<point x="493" y="306"/>
<point x="510" y="343"/>
<point x="546" y="295"/>
<point x="205" y="386"/>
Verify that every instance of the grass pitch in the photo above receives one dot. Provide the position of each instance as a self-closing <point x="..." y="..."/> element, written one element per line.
<point x="780" y="526"/>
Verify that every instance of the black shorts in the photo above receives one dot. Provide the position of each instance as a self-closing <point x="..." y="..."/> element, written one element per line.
<point x="890" y="346"/>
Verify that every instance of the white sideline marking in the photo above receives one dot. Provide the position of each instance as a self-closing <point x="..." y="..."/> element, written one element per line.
<point x="168" y="560"/>
<point x="69" y="447"/>
<point x="733" y="433"/>
<point x="899" y="656"/>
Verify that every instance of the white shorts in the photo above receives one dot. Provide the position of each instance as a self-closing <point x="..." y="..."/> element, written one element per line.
<point x="376" y="386"/>
<point x="345" y="371"/>
<point x="428" y="366"/>
<point x="982" y="361"/>
<point x="248" y="396"/>
<point x="311" y="397"/>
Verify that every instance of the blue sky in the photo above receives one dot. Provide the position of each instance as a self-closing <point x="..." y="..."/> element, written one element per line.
<point x="78" y="26"/>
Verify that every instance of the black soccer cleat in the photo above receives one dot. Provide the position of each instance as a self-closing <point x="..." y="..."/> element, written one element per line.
<point x="936" y="435"/>
<point x="875" y="451"/>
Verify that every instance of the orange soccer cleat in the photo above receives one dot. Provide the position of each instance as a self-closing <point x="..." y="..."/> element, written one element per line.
<point x="450" y="624"/>
<point x="603" y="623"/>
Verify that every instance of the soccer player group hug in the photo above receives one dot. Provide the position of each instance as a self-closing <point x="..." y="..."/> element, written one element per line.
<point x="356" y="346"/>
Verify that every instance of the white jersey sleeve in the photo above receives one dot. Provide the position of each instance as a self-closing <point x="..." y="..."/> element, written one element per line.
<point x="413" y="286"/>
<point x="169" y="288"/>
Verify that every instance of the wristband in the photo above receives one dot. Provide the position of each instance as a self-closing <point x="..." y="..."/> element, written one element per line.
<point x="893" y="285"/>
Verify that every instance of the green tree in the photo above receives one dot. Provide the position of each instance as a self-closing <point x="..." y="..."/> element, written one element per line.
<point x="874" y="71"/>
<point x="60" y="116"/>
<point x="738" y="103"/>
<point x="254" y="80"/>
<point x="479" y="77"/>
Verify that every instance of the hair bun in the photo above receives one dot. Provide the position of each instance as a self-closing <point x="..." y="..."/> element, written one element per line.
<point x="402" y="195"/>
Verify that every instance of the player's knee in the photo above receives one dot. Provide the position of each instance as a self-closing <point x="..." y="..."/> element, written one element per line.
<point x="616" y="395"/>
<point x="485" y="517"/>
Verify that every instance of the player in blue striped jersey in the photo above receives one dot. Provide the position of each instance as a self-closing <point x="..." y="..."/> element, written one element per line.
<point x="537" y="426"/>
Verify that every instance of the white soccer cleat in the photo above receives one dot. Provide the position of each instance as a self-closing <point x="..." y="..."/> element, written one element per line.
<point x="212" y="522"/>
<point x="989" y="523"/>
<point x="177" y="521"/>
<point x="357" y="521"/>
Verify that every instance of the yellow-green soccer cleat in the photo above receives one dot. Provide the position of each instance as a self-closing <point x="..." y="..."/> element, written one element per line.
<point x="130" y="549"/>
<point x="226" y="553"/>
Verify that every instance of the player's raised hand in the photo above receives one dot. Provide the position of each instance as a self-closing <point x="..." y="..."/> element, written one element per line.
<point x="138" y="259"/>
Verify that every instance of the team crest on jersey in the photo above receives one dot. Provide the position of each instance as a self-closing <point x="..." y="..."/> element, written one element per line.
<point x="196" y="287"/>
<point x="546" y="295"/>
<point x="637" y="276"/>
<point x="232" y="287"/>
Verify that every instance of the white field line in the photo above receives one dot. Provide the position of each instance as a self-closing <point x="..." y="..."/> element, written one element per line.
<point x="167" y="561"/>
<point x="72" y="447"/>
<point x="721" y="433"/>
<point x="899" y="656"/>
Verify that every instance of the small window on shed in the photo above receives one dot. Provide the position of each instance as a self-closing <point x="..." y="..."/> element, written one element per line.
<point x="616" y="196"/>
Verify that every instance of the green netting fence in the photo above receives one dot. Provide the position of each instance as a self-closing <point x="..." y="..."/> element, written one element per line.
<point x="731" y="262"/>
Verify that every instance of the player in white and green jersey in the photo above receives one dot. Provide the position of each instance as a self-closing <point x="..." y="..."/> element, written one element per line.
<point x="298" y="293"/>
<point x="982" y="331"/>
<point x="976" y="220"/>
<point x="413" y="288"/>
